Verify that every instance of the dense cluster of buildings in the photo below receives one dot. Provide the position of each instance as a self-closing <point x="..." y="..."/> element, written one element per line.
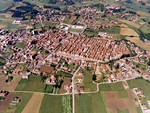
<point x="92" y="49"/>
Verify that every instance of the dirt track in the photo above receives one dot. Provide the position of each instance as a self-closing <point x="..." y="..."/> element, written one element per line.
<point x="34" y="104"/>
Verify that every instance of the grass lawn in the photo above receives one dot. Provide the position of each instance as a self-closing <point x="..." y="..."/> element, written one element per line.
<point x="20" y="44"/>
<point x="25" y="97"/>
<point x="52" y="104"/>
<point x="91" y="32"/>
<point x="89" y="103"/>
<point x="34" y="83"/>
<point x="141" y="83"/>
<point x="63" y="73"/>
<point x="114" y="87"/>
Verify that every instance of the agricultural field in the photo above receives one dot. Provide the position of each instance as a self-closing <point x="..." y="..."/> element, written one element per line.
<point x="67" y="104"/>
<point x="113" y="30"/>
<point x="116" y="104"/>
<point x="143" y="13"/>
<point x="130" y="23"/>
<point x="138" y="42"/>
<point x="34" y="103"/>
<point x="145" y="28"/>
<point x="6" y="21"/>
<point x="56" y="104"/>
<point x="34" y="83"/>
<point x="125" y="30"/>
<point x="89" y="103"/>
<point x="141" y="83"/>
<point x="5" y="4"/>
<point x="25" y="97"/>
<point x="11" y="85"/>
<point x="114" y="87"/>
<point x="15" y="107"/>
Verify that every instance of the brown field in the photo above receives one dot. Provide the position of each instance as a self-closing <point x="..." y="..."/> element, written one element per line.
<point x="143" y="13"/>
<point x="72" y="19"/>
<point x="130" y="23"/>
<point x="7" y="15"/>
<point x="10" y="85"/>
<point x="114" y="102"/>
<point x="125" y="30"/>
<point x="3" y="25"/>
<point x="4" y="104"/>
<point x="138" y="42"/>
<point x="34" y="104"/>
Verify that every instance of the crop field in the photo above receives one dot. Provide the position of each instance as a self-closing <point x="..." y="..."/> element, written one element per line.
<point x="114" y="103"/>
<point x="33" y="106"/>
<point x="114" y="87"/>
<point x="130" y="23"/>
<point x="25" y="97"/>
<point x="51" y="104"/>
<point x="10" y="85"/>
<point x="6" y="21"/>
<point x="67" y="104"/>
<point x="34" y="83"/>
<point x="138" y="42"/>
<point x="125" y="30"/>
<point x="5" y="4"/>
<point x="89" y="103"/>
<point x="72" y="19"/>
<point x="143" y="13"/>
<point x="145" y="28"/>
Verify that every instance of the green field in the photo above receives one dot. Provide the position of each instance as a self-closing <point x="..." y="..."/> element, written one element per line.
<point x="88" y="81"/>
<point x="20" y="44"/>
<point x="145" y="28"/>
<point x="67" y="104"/>
<point x="34" y="83"/>
<point x="113" y="30"/>
<point x="51" y="104"/>
<point x="89" y="103"/>
<point x="5" y="4"/>
<point x="25" y="97"/>
<point x="114" y="87"/>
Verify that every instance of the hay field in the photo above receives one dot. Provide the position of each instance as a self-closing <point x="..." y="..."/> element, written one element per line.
<point x="114" y="102"/>
<point x="143" y="13"/>
<point x="130" y="23"/>
<point x="34" y="104"/>
<point x="10" y="85"/>
<point x="138" y="42"/>
<point x="3" y="25"/>
<point x="125" y="30"/>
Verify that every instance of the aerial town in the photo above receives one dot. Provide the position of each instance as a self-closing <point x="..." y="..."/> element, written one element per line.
<point x="96" y="53"/>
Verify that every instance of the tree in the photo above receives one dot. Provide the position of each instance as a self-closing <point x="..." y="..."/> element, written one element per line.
<point x="94" y="77"/>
